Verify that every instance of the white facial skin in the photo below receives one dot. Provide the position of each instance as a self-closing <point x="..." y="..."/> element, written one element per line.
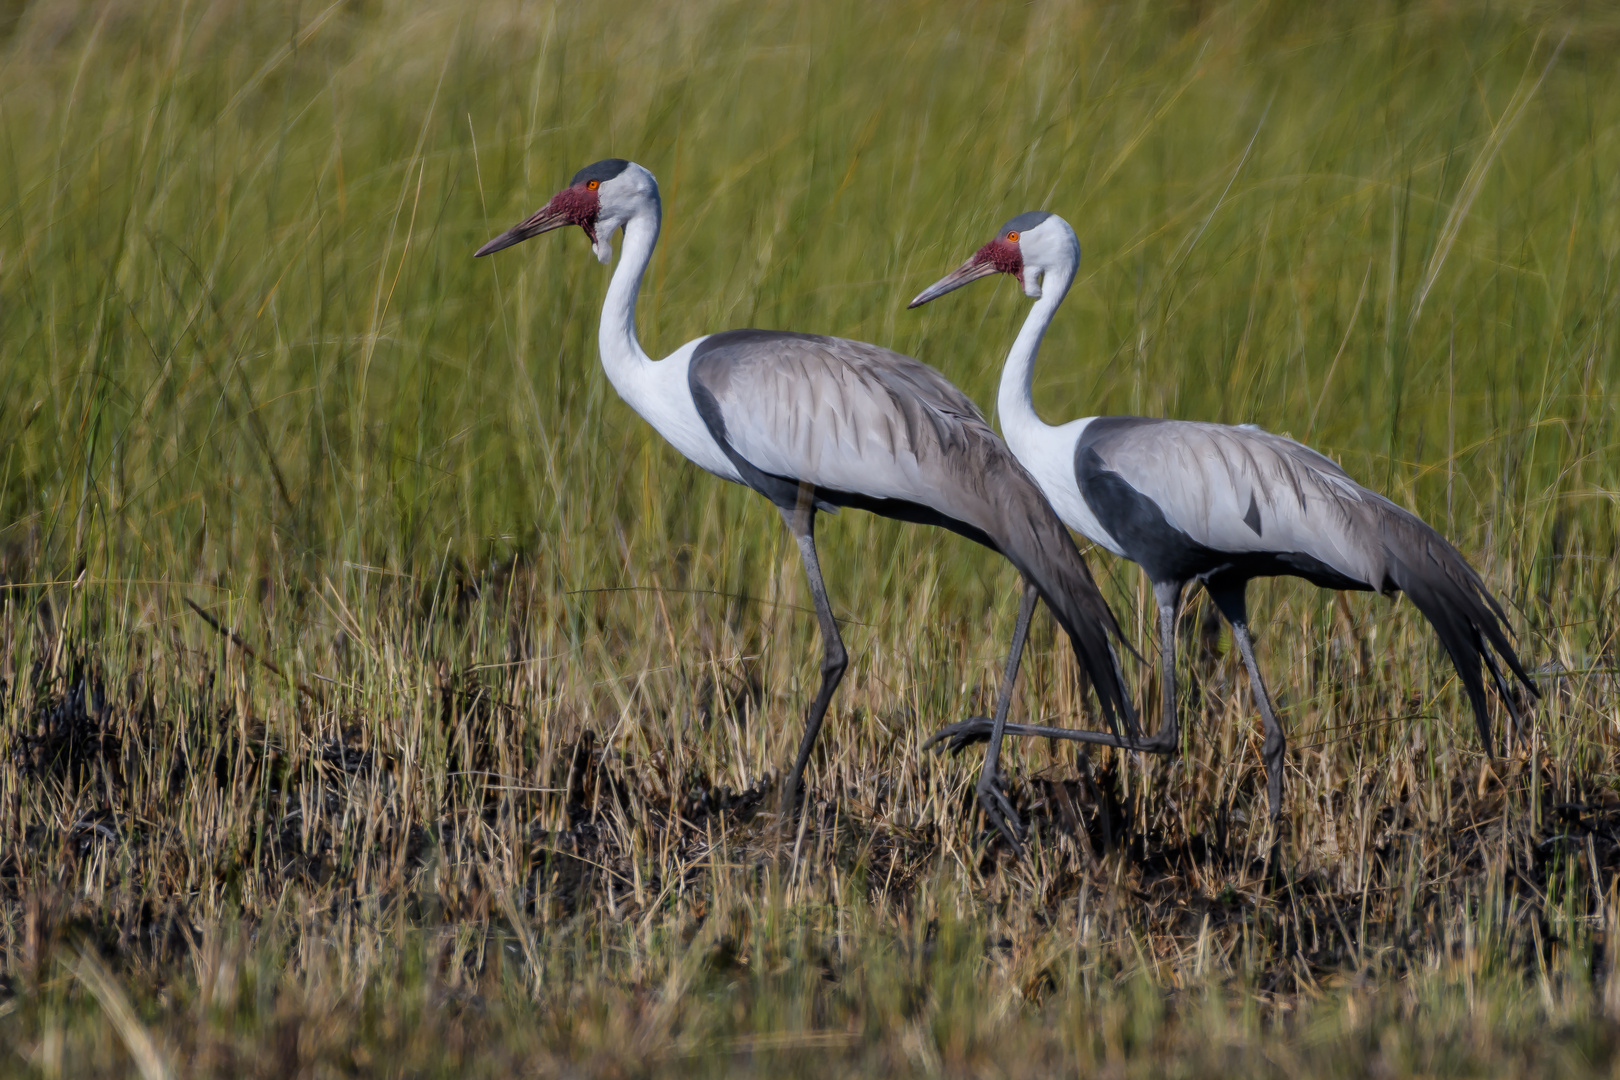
<point x="621" y="198"/>
<point x="1049" y="250"/>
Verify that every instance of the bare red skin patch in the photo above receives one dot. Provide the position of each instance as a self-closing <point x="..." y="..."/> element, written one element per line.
<point x="1004" y="256"/>
<point x="580" y="205"/>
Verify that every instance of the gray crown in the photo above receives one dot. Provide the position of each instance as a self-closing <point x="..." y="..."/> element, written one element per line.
<point x="1018" y="224"/>
<point x="601" y="171"/>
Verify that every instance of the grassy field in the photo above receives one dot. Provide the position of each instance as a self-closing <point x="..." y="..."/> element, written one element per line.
<point x="463" y="764"/>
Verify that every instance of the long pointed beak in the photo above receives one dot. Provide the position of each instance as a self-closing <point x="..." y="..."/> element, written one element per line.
<point x="545" y="219"/>
<point x="972" y="270"/>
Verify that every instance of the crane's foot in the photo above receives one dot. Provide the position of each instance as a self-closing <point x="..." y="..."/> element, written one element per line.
<point x="1001" y="812"/>
<point x="974" y="729"/>
<point x="959" y="736"/>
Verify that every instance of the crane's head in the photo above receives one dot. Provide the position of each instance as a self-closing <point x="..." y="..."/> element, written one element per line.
<point x="600" y="199"/>
<point x="1032" y="247"/>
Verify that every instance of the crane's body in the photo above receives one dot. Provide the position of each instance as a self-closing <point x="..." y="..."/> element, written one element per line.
<point x="1193" y="500"/>
<point x="816" y="423"/>
<point x="1220" y="505"/>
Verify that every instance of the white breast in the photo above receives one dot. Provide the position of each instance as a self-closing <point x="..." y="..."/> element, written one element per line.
<point x="1048" y="454"/>
<point x="660" y="394"/>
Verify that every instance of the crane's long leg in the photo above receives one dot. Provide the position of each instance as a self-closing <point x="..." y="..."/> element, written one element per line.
<point x="801" y="521"/>
<point x="1230" y="599"/>
<point x="1168" y="596"/>
<point x="997" y="807"/>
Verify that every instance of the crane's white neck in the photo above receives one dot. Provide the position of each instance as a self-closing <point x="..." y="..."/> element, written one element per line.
<point x="622" y="355"/>
<point x="1015" y="403"/>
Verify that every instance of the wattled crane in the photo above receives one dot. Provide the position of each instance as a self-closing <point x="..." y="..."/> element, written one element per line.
<point x="817" y="423"/>
<point x="1220" y="505"/>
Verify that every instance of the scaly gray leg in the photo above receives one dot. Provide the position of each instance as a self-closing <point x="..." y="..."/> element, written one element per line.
<point x="801" y="521"/>
<point x="997" y="807"/>
<point x="1168" y="595"/>
<point x="1231" y="601"/>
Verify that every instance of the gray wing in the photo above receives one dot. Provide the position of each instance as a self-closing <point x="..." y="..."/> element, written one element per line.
<point x="1251" y="494"/>
<point x="880" y="431"/>
<point x="1244" y="490"/>
<point x="842" y="415"/>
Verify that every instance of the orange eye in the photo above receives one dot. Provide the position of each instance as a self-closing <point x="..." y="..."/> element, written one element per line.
<point x="1013" y="236"/>
<point x="594" y="184"/>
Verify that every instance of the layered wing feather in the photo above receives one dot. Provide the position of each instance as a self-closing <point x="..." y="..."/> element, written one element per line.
<point x="1241" y="489"/>
<point x="845" y="416"/>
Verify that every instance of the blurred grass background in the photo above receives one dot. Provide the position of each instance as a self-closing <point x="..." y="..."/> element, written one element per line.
<point x="518" y="814"/>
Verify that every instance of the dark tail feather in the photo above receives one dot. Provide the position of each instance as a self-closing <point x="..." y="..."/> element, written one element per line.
<point x="1465" y="616"/>
<point x="1509" y="698"/>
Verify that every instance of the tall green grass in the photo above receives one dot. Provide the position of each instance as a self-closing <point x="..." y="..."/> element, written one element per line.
<point x="507" y="802"/>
